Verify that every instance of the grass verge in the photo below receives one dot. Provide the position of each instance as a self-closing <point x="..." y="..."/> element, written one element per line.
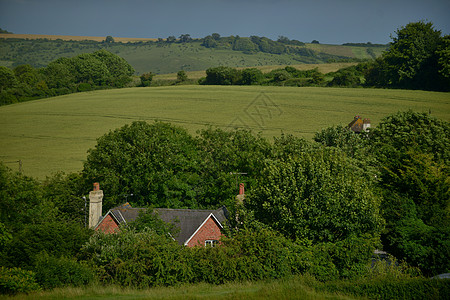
<point x="294" y="287"/>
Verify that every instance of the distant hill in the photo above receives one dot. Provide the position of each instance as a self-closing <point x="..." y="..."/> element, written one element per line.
<point x="6" y="35"/>
<point x="162" y="57"/>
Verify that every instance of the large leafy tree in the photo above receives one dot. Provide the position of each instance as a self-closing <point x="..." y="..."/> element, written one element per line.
<point x="163" y="166"/>
<point x="412" y="150"/>
<point x="119" y="70"/>
<point x="412" y="60"/>
<point x="315" y="194"/>
<point x="100" y="68"/>
<point x="7" y="78"/>
<point x="228" y="158"/>
<point x="31" y="223"/>
<point x="156" y="163"/>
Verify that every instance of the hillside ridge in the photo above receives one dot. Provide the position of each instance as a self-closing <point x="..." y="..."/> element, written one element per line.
<point x="163" y="56"/>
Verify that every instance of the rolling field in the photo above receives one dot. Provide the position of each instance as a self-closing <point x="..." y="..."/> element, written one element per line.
<point x="54" y="134"/>
<point x="70" y="37"/>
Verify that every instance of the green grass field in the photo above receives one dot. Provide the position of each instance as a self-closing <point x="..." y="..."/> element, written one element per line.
<point x="295" y="287"/>
<point x="54" y="134"/>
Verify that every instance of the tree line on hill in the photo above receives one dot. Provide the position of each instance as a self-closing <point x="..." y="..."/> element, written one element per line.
<point x="39" y="52"/>
<point x="98" y="70"/>
<point x="317" y="207"/>
<point x="5" y="31"/>
<point x="287" y="76"/>
<point x="418" y="58"/>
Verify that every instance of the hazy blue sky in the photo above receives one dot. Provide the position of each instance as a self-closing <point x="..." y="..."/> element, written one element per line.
<point x="328" y="21"/>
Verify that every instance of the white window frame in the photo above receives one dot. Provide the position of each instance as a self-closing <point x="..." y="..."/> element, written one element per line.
<point x="211" y="243"/>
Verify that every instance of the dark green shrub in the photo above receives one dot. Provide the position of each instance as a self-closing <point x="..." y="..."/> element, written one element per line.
<point x="181" y="76"/>
<point x="56" y="238"/>
<point x="54" y="272"/>
<point x="345" y="78"/>
<point x="139" y="259"/>
<point x="252" y="254"/>
<point x="84" y="87"/>
<point x="16" y="280"/>
<point x="280" y="75"/>
<point x="251" y="76"/>
<point x="351" y="256"/>
<point x="413" y="288"/>
<point x="297" y="82"/>
<point x="222" y="76"/>
<point x="146" y="79"/>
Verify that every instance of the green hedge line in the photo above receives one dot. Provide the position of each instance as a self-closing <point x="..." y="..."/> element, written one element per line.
<point x="412" y="288"/>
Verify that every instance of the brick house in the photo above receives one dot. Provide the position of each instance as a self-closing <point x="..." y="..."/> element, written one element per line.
<point x="195" y="226"/>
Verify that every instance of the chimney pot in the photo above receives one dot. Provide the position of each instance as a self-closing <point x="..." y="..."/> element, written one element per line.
<point x="241" y="189"/>
<point x="95" y="205"/>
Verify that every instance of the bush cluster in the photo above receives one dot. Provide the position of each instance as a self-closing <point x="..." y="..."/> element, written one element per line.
<point x="143" y="259"/>
<point x="52" y="272"/>
<point x="15" y="280"/>
<point x="84" y="72"/>
<point x="288" y="76"/>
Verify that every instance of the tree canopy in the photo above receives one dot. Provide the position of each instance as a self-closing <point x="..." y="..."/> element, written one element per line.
<point x="315" y="194"/>
<point x="417" y="59"/>
<point x="412" y="150"/>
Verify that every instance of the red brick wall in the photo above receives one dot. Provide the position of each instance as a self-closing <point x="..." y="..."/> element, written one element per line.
<point x="209" y="231"/>
<point x="108" y="225"/>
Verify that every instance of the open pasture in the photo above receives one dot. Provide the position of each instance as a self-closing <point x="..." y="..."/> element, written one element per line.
<point x="54" y="134"/>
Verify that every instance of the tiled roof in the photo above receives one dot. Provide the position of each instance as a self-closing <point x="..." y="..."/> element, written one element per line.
<point x="187" y="220"/>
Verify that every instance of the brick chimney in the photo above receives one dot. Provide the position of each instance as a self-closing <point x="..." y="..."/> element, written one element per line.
<point x="241" y="196"/>
<point x="366" y="124"/>
<point x="95" y="205"/>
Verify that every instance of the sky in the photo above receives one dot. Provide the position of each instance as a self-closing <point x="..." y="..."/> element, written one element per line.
<point x="328" y="21"/>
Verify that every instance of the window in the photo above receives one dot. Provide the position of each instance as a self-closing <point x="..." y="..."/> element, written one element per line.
<point x="211" y="243"/>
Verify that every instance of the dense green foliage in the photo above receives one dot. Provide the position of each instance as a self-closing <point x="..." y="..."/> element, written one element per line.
<point x="84" y="72"/>
<point x="288" y="76"/>
<point x="413" y="150"/>
<point x="15" y="280"/>
<point x="34" y="232"/>
<point x="52" y="272"/>
<point x="417" y="59"/>
<point x="390" y="288"/>
<point x="147" y="259"/>
<point x="310" y="208"/>
<point x="410" y="152"/>
<point x="163" y="166"/>
<point x="317" y="195"/>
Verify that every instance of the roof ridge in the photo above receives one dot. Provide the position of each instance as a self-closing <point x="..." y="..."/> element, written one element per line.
<point x="188" y="209"/>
